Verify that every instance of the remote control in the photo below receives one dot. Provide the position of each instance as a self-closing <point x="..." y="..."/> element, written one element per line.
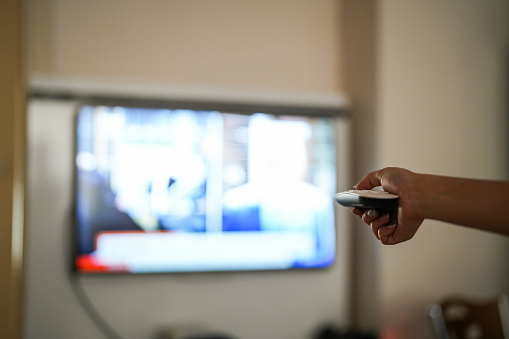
<point x="366" y="198"/>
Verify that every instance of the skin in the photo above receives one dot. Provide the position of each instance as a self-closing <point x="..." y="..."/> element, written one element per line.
<point x="479" y="204"/>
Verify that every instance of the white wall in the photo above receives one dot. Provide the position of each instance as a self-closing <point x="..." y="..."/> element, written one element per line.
<point x="283" y="46"/>
<point x="443" y="71"/>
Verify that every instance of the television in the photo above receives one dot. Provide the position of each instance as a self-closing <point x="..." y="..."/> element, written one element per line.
<point x="173" y="188"/>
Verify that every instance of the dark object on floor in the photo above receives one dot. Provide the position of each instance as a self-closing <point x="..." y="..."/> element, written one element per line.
<point x="334" y="332"/>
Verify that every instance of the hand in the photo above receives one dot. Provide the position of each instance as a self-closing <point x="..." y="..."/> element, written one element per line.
<point x="398" y="181"/>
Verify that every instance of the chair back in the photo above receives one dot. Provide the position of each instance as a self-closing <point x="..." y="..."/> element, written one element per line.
<point x="462" y="318"/>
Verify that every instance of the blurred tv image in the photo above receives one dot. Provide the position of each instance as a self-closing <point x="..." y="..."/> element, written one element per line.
<point x="179" y="190"/>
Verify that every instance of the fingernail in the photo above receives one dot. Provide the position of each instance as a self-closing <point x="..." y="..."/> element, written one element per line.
<point x="371" y="213"/>
<point x="390" y="226"/>
<point x="385" y="217"/>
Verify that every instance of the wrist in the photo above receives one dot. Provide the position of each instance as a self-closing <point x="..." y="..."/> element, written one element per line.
<point x="419" y="194"/>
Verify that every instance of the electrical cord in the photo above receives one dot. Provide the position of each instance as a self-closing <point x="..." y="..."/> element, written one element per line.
<point x="90" y="309"/>
<point x="81" y="294"/>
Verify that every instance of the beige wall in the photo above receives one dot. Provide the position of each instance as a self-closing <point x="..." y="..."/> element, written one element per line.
<point x="428" y="84"/>
<point x="284" y="44"/>
<point x="427" y="79"/>
<point x="443" y="72"/>
<point x="275" y="47"/>
<point x="359" y="20"/>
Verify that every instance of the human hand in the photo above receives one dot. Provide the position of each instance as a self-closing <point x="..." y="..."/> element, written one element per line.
<point x="403" y="183"/>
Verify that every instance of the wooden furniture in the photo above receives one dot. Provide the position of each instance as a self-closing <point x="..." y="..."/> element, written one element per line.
<point x="464" y="318"/>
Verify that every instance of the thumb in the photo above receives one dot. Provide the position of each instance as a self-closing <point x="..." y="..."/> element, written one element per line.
<point x="371" y="180"/>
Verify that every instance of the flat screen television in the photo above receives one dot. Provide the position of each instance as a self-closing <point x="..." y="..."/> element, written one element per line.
<point x="199" y="190"/>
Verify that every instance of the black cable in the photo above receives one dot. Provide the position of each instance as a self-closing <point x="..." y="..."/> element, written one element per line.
<point x="91" y="310"/>
<point x="79" y="291"/>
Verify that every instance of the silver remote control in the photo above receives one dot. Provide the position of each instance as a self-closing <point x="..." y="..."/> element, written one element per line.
<point x="366" y="199"/>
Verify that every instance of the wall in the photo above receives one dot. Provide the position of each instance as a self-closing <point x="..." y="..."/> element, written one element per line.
<point x="430" y="95"/>
<point x="428" y="84"/>
<point x="284" y="44"/>
<point x="442" y="108"/>
<point x="359" y="20"/>
<point x="278" y="47"/>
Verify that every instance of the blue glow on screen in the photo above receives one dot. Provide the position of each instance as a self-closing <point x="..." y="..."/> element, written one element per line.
<point x="162" y="190"/>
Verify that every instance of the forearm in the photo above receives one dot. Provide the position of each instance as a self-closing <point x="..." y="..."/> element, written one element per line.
<point x="474" y="203"/>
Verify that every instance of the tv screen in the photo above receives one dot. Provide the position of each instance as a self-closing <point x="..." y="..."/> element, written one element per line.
<point x="182" y="190"/>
